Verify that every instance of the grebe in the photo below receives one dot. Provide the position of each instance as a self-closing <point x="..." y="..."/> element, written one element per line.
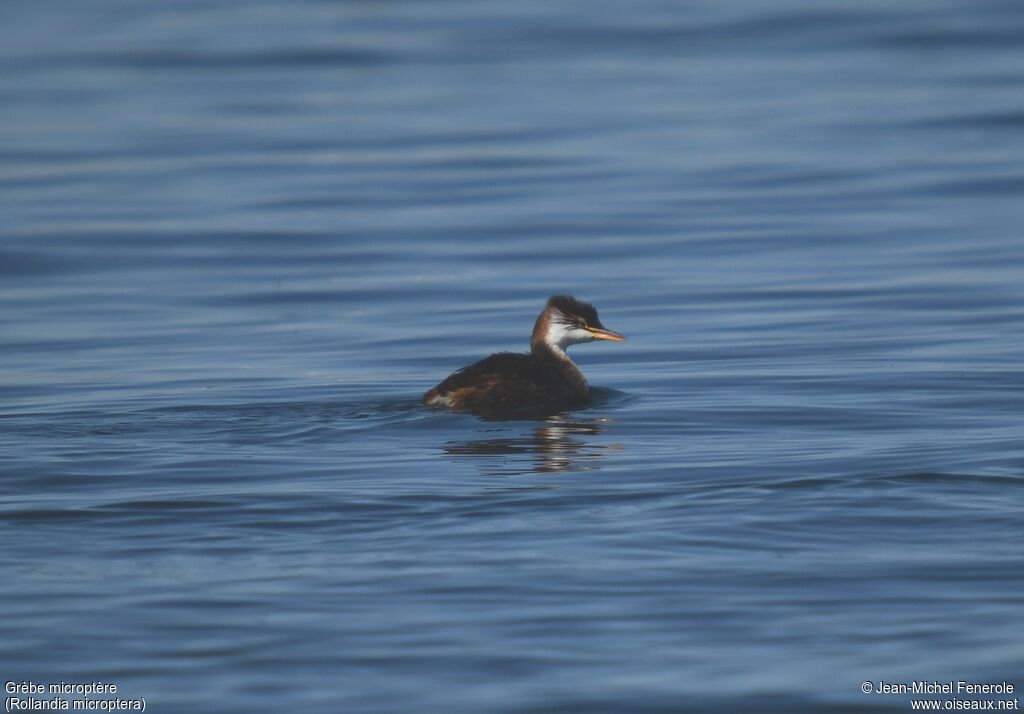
<point x="543" y="382"/>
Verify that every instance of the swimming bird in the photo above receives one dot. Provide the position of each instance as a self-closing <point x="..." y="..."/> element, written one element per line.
<point x="543" y="381"/>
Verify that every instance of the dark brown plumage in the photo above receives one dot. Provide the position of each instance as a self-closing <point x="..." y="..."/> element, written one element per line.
<point x="541" y="382"/>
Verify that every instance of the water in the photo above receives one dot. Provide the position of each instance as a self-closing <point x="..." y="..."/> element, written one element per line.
<point x="240" y="240"/>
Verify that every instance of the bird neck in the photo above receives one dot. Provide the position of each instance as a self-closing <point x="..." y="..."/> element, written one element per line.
<point x="543" y="348"/>
<point x="571" y="375"/>
<point x="539" y="338"/>
<point x="549" y="331"/>
<point x="545" y="345"/>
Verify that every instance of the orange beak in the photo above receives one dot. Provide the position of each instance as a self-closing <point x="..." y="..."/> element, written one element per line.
<point x="599" y="333"/>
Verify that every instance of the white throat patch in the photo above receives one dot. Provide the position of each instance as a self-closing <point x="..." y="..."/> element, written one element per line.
<point x="563" y="332"/>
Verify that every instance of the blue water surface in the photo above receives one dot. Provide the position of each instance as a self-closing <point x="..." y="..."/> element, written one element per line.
<point x="240" y="239"/>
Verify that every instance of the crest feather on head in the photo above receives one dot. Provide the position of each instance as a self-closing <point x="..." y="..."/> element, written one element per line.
<point x="571" y="307"/>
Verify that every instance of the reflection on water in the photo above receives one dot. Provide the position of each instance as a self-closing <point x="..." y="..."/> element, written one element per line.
<point x="556" y="444"/>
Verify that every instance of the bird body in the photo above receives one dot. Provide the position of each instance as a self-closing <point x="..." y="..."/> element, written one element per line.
<point x="542" y="381"/>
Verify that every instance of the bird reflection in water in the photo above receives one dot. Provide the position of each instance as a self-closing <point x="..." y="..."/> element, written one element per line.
<point x="557" y="444"/>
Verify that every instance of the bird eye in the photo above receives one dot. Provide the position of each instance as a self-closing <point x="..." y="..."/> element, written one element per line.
<point x="583" y="323"/>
